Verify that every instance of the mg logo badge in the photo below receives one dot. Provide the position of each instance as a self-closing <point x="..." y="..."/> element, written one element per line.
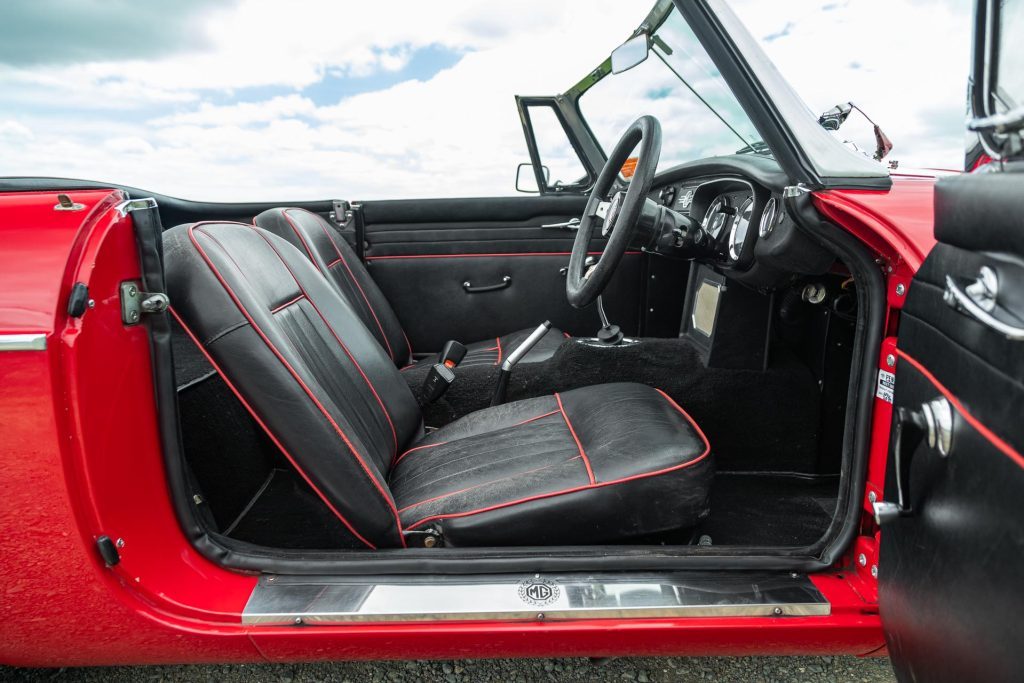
<point x="538" y="592"/>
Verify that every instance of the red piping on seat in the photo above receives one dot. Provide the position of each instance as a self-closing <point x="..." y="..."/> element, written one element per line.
<point x="535" y="418"/>
<point x="417" y="448"/>
<point x="286" y="304"/>
<point x="266" y="429"/>
<point x="487" y="483"/>
<point x="988" y="434"/>
<point x="380" y="402"/>
<point x="498" y="340"/>
<point x="351" y="275"/>
<point x="583" y="453"/>
<point x="385" y="495"/>
<point x="689" y="463"/>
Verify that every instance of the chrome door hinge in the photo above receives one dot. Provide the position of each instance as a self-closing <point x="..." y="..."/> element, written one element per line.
<point x="135" y="302"/>
<point x="129" y="205"/>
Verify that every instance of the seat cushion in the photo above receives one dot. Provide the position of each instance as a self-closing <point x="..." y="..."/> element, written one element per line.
<point x="591" y="465"/>
<point x="493" y="351"/>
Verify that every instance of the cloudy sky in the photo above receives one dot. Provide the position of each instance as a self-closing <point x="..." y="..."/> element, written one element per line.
<point x="259" y="99"/>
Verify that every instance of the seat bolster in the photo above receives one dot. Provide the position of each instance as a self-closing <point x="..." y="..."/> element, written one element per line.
<point x="337" y="261"/>
<point x="649" y="431"/>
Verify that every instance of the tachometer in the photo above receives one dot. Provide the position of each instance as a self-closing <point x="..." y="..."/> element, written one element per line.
<point x="739" y="229"/>
<point x="717" y="216"/>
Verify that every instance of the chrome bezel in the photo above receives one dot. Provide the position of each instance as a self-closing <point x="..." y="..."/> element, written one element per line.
<point x="767" y="224"/>
<point x="747" y="207"/>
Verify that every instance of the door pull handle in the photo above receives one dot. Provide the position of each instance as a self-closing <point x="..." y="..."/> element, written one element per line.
<point x="934" y="421"/>
<point x="471" y="289"/>
<point x="978" y="300"/>
<point x="571" y="224"/>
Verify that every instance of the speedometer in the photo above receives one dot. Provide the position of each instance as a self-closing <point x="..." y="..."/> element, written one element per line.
<point x="716" y="216"/>
<point x="739" y="229"/>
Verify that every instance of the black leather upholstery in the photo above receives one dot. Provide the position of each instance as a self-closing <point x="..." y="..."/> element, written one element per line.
<point x="594" y="464"/>
<point x="333" y="256"/>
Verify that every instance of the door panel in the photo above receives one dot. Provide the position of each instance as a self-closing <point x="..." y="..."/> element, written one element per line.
<point x="420" y="252"/>
<point x="949" y="573"/>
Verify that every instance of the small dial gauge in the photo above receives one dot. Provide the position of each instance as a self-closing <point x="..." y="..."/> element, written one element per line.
<point x="767" y="219"/>
<point x="739" y="229"/>
<point x="717" y="216"/>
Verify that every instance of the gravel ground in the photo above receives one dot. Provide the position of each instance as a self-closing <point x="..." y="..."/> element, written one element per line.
<point x="639" y="670"/>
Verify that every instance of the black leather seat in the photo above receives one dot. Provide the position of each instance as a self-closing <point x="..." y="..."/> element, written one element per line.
<point x="333" y="257"/>
<point x="592" y="465"/>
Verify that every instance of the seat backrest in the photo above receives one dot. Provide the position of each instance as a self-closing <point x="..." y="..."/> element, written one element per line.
<point x="301" y="360"/>
<point x="333" y="257"/>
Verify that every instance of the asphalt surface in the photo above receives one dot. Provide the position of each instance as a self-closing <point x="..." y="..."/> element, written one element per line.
<point x="639" y="670"/>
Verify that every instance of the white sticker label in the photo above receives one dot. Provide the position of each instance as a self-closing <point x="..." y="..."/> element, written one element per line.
<point x="886" y="385"/>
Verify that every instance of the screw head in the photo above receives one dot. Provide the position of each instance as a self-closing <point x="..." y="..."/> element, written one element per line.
<point x="862" y="560"/>
<point x="92" y="303"/>
<point x="132" y="291"/>
<point x="133" y="316"/>
<point x="890" y="360"/>
<point x="872" y="497"/>
<point x="901" y="289"/>
<point x="777" y="611"/>
<point x="874" y="571"/>
<point x="298" y="621"/>
<point x="429" y="542"/>
<point x="540" y="616"/>
<point x="119" y="543"/>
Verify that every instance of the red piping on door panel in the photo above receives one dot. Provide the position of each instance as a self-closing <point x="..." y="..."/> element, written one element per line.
<point x="991" y="437"/>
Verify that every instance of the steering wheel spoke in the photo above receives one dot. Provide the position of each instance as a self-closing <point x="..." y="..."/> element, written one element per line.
<point x="615" y="215"/>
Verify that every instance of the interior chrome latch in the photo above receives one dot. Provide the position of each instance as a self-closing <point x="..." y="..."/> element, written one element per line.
<point x="135" y="302"/>
<point x="932" y="421"/>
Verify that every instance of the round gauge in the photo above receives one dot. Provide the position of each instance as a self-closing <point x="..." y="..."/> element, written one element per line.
<point x="739" y="229"/>
<point x="716" y="217"/>
<point x="767" y="219"/>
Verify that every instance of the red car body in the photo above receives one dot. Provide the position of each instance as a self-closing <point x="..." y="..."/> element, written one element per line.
<point x="80" y="455"/>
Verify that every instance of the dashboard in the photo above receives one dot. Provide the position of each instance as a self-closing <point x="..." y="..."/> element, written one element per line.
<point x="737" y="201"/>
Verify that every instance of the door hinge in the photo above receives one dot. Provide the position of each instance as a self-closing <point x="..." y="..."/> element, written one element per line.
<point x="341" y="212"/>
<point x="135" y="302"/>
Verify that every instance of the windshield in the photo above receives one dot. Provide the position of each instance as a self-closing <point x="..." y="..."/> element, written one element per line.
<point x="680" y="85"/>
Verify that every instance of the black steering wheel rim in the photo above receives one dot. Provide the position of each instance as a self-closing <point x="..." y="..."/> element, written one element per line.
<point x="645" y="135"/>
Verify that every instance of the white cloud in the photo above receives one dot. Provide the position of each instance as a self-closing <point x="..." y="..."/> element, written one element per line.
<point x="458" y="133"/>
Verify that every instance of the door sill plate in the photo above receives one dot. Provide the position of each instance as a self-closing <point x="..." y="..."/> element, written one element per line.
<point x="298" y="600"/>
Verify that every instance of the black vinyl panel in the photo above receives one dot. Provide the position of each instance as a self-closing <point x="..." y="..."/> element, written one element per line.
<point x="949" y="573"/>
<point x="485" y="240"/>
<point x="428" y="297"/>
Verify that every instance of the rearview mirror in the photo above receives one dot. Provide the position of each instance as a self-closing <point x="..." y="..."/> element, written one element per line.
<point x="629" y="54"/>
<point x="526" y="179"/>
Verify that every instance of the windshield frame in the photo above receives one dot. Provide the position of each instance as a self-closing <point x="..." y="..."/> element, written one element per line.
<point x="787" y="127"/>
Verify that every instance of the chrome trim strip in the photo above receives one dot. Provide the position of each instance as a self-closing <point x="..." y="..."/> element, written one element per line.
<point x="296" y="600"/>
<point x="22" y="342"/>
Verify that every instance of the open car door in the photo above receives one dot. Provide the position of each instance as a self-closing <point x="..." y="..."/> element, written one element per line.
<point x="951" y="571"/>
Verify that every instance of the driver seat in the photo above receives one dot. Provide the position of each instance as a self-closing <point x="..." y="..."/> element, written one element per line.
<point x="333" y="257"/>
<point x="597" y="464"/>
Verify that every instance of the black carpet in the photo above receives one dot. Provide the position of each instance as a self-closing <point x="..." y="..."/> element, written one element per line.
<point x="769" y="509"/>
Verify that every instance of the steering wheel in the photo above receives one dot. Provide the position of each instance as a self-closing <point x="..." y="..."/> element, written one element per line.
<point x="617" y="215"/>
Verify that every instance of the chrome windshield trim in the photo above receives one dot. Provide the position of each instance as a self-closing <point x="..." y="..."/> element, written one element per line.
<point x="129" y="205"/>
<point x="22" y="342"/>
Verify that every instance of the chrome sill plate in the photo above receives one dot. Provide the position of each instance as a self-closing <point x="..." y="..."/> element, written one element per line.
<point x="284" y="600"/>
<point x="22" y="342"/>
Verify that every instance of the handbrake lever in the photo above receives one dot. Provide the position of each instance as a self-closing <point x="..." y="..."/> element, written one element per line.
<point x="510" y="361"/>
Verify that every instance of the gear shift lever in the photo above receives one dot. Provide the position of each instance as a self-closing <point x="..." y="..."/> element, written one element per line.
<point x="608" y="334"/>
